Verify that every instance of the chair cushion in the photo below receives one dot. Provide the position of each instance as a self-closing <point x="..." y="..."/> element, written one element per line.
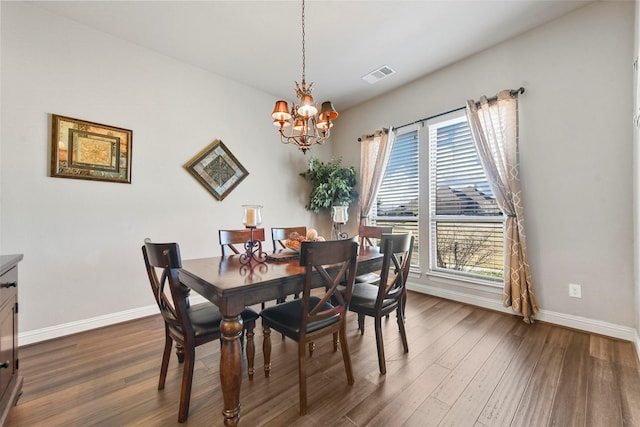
<point x="249" y="315"/>
<point x="287" y="317"/>
<point x="206" y="318"/>
<point x="363" y="298"/>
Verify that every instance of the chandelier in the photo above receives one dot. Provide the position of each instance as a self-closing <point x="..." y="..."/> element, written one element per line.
<point x="306" y="126"/>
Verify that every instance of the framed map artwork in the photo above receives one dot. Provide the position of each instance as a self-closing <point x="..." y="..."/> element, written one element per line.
<point x="87" y="150"/>
<point x="217" y="169"/>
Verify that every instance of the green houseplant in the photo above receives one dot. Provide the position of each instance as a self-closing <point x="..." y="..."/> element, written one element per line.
<point x="331" y="184"/>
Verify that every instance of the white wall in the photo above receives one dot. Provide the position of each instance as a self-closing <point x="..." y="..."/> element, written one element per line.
<point x="81" y="239"/>
<point x="575" y="151"/>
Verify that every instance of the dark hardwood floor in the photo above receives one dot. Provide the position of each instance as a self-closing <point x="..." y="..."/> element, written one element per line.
<point x="466" y="366"/>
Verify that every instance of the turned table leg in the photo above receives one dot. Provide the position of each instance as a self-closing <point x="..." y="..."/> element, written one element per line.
<point x="231" y="368"/>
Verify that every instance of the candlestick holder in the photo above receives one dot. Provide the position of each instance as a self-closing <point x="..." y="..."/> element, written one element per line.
<point x="253" y="250"/>
<point x="251" y="218"/>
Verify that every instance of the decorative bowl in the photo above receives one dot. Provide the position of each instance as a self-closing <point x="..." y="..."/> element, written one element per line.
<point x="293" y="245"/>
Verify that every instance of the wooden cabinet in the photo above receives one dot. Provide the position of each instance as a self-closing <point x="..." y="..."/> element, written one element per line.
<point x="10" y="380"/>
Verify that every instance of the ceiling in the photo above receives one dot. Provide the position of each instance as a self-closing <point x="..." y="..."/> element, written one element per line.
<point x="258" y="43"/>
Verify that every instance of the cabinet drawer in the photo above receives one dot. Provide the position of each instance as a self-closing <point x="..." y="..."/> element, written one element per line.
<point x="8" y="284"/>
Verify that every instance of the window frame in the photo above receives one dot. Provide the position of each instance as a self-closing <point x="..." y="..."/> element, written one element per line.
<point x="432" y="218"/>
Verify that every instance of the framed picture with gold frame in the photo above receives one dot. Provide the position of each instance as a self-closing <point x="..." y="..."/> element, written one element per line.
<point x="217" y="169"/>
<point x="87" y="150"/>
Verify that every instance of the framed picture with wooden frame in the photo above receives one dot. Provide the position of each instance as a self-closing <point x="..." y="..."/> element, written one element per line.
<point x="87" y="150"/>
<point x="217" y="169"/>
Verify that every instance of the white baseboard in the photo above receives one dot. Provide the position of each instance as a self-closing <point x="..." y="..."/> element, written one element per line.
<point x="32" y="337"/>
<point x="567" y="320"/>
<point x="38" y="335"/>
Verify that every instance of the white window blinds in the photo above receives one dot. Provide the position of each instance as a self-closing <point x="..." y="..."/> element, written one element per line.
<point x="397" y="199"/>
<point x="398" y="193"/>
<point x="465" y="222"/>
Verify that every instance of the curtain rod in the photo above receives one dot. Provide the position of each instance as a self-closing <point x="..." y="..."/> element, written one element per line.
<point x="384" y="130"/>
<point x="512" y="92"/>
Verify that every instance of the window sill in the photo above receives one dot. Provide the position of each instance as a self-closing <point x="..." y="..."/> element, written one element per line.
<point x="469" y="283"/>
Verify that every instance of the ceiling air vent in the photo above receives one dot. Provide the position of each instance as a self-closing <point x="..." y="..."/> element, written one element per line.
<point x="378" y="74"/>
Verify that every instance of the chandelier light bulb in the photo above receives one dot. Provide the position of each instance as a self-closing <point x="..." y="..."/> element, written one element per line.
<point x="281" y="111"/>
<point x="307" y="108"/>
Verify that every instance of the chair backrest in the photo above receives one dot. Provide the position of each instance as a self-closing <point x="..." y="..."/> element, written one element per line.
<point x="327" y="264"/>
<point x="367" y="233"/>
<point x="162" y="261"/>
<point x="280" y="234"/>
<point x="230" y="238"/>
<point x="397" y="250"/>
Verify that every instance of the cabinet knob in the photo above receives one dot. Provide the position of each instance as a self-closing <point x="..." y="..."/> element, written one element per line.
<point x="9" y="285"/>
<point x="5" y="364"/>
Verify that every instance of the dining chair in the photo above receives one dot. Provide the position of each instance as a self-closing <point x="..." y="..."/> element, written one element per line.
<point x="278" y="237"/>
<point x="308" y="318"/>
<point x="189" y="326"/>
<point x="230" y="238"/>
<point x="280" y="234"/>
<point x="389" y="294"/>
<point x="370" y="235"/>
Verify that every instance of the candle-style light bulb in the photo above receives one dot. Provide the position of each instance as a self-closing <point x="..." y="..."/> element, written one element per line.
<point x="252" y="215"/>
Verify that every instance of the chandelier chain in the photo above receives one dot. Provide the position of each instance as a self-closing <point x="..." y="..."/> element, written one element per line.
<point x="303" y="51"/>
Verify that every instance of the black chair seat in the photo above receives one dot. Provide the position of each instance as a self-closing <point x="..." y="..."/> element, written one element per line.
<point x="205" y="318"/>
<point x="287" y="317"/>
<point x="363" y="299"/>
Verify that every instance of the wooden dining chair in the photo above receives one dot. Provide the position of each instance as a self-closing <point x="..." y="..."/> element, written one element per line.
<point x="310" y="317"/>
<point x="370" y="235"/>
<point x="232" y="241"/>
<point x="389" y="294"/>
<point x="189" y="326"/>
<point x="278" y="237"/>
<point x="280" y="234"/>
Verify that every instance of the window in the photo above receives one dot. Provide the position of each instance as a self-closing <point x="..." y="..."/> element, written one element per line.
<point x="397" y="199"/>
<point x="462" y="224"/>
<point x="465" y="223"/>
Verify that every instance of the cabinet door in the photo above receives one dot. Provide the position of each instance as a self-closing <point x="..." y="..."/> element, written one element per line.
<point x="7" y="364"/>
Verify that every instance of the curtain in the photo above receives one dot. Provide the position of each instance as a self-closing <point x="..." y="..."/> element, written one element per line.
<point x="375" y="150"/>
<point x="494" y="125"/>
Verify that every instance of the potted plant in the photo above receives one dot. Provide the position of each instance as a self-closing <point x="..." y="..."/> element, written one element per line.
<point x="332" y="184"/>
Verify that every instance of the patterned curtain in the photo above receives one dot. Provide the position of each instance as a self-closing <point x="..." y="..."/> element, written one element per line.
<point x="494" y="125"/>
<point x="375" y="150"/>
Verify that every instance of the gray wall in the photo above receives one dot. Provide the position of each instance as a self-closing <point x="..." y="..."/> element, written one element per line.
<point x="80" y="239"/>
<point x="575" y="152"/>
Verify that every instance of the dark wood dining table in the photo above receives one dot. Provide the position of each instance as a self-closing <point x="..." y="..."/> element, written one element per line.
<point x="231" y="286"/>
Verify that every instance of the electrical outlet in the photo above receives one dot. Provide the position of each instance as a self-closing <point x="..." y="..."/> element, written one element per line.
<point x="575" y="290"/>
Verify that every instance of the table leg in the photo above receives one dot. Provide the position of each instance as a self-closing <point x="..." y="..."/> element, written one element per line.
<point x="231" y="368"/>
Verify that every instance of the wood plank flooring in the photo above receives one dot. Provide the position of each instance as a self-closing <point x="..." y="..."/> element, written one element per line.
<point x="466" y="366"/>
